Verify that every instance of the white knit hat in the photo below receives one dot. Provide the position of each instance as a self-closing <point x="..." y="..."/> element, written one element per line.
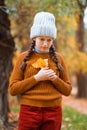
<point x="43" y="25"/>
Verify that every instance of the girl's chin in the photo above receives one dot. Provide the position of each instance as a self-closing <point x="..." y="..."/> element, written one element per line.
<point x="44" y="50"/>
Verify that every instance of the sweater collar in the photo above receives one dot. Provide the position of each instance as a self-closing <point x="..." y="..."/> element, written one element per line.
<point x="38" y="51"/>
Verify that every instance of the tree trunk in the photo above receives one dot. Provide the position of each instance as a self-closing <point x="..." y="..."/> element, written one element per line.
<point x="82" y="85"/>
<point x="81" y="78"/>
<point x="6" y="53"/>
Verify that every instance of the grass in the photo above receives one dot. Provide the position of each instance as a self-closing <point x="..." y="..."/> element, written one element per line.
<point x="15" y="109"/>
<point x="72" y="119"/>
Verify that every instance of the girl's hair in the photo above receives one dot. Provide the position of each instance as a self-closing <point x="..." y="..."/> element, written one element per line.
<point x="51" y="52"/>
<point x="30" y="51"/>
<point x="54" y="58"/>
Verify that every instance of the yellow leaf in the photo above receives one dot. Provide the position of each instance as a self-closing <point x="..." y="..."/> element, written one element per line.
<point x="40" y="63"/>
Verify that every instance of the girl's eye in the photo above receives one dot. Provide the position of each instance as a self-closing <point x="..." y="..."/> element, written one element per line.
<point x="42" y="39"/>
<point x="49" y="40"/>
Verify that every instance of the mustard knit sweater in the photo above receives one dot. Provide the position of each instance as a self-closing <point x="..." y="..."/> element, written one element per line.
<point x="43" y="93"/>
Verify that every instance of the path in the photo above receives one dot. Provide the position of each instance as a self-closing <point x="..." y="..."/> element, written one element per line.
<point x="78" y="104"/>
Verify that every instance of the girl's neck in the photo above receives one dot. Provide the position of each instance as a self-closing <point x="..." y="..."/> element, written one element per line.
<point x="38" y="51"/>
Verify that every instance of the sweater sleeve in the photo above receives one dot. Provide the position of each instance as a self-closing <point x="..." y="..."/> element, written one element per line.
<point x="17" y="83"/>
<point x="62" y="83"/>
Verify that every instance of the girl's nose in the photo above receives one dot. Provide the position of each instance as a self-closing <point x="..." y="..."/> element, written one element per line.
<point x="45" y="43"/>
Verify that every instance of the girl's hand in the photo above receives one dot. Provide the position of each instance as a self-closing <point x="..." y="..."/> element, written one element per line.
<point x="45" y="74"/>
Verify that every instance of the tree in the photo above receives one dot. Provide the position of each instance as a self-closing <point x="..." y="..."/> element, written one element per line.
<point x="81" y="77"/>
<point x="7" y="47"/>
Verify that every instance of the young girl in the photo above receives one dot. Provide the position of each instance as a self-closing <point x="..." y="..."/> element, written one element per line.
<point x="40" y="78"/>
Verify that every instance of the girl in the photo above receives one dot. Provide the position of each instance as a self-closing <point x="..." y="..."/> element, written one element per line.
<point x="40" y="78"/>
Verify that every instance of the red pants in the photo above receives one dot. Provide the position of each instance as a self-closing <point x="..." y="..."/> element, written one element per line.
<point x="40" y="118"/>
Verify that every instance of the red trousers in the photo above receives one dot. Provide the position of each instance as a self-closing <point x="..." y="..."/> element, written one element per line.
<point x="39" y="118"/>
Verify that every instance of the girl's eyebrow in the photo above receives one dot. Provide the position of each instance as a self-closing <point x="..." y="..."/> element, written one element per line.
<point x="45" y="38"/>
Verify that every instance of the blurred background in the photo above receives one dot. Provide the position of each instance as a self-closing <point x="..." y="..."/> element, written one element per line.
<point x="16" y="18"/>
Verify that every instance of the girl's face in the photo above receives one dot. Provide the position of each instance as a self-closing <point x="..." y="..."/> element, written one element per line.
<point x="43" y="43"/>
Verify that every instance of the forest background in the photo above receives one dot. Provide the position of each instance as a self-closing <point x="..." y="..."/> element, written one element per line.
<point x="16" y="18"/>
